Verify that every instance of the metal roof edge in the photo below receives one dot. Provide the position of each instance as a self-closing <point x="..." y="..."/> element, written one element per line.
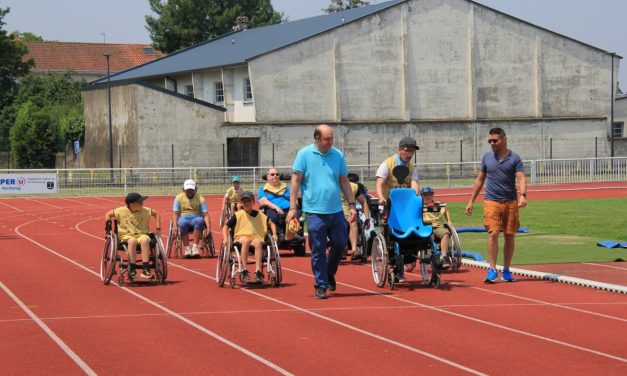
<point x="327" y="30"/>
<point x="100" y="86"/>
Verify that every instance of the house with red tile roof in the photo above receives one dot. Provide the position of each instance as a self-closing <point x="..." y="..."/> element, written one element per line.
<point x="86" y="60"/>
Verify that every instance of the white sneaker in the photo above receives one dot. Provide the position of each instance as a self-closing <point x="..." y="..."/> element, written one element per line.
<point x="195" y="252"/>
<point x="188" y="251"/>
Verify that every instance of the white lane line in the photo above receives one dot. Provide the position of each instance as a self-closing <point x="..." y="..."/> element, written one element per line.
<point x="79" y="362"/>
<point x="541" y="302"/>
<point x="604" y="266"/>
<point x="158" y="306"/>
<point x="503" y="327"/>
<point x="286" y="310"/>
<point x="346" y="325"/>
<point x="337" y="322"/>
<point x="44" y="203"/>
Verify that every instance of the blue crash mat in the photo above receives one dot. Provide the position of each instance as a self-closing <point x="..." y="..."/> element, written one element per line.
<point x="611" y="244"/>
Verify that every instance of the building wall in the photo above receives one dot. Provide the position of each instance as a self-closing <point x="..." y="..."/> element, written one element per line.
<point x="149" y="129"/>
<point x="432" y="60"/>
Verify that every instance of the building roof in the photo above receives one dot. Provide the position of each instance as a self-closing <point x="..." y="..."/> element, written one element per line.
<point x="57" y="56"/>
<point x="240" y="46"/>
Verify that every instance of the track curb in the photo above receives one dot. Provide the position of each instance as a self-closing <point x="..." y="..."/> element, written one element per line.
<point x="553" y="277"/>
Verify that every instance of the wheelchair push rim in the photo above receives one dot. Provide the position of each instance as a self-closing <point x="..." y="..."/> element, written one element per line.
<point x="223" y="265"/>
<point x="455" y="249"/>
<point x="109" y="259"/>
<point x="379" y="261"/>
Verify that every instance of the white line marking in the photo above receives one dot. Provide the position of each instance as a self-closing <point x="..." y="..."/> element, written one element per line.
<point x="604" y="266"/>
<point x="79" y="362"/>
<point x="158" y="306"/>
<point x="506" y="328"/>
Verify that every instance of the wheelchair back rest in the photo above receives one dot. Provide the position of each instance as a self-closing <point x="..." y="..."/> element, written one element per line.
<point x="400" y="172"/>
<point x="111" y="226"/>
<point x="405" y="217"/>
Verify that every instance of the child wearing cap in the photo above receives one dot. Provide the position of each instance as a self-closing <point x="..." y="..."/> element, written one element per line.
<point x="189" y="211"/>
<point x="435" y="219"/>
<point x="232" y="196"/>
<point x="249" y="227"/>
<point x="133" y="222"/>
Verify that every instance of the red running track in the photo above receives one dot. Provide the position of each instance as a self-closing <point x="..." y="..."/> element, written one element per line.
<point x="50" y="260"/>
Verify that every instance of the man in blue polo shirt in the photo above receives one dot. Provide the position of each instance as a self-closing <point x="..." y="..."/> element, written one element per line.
<point x="501" y="167"/>
<point x="319" y="172"/>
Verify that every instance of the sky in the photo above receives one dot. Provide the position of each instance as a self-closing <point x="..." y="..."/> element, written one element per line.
<point x="600" y="23"/>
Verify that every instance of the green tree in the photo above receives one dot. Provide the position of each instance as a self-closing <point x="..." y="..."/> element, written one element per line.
<point x="340" y="5"/>
<point x="26" y="36"/>
<point x="11" y="65"/>
<point x="60" y="98"/>
<point x="32" y="138"/>
<point x="183" y="23"/>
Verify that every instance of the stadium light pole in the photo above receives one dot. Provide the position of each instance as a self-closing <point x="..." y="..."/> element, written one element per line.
<point x="612" y="54"/>
<point x="110" y="122"/>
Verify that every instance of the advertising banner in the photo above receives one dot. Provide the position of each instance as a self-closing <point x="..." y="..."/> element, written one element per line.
<point x="28" y="183"/>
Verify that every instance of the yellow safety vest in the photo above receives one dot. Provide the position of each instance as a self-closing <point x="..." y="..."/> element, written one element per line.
<point x="190" y="206"/>
<point x="391" y="181"/>
<point x="247" y="226"/>
<point x="130" y="223"/>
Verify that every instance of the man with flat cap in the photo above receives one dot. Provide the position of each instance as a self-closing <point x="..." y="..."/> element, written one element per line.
<point x="386" y="179"/>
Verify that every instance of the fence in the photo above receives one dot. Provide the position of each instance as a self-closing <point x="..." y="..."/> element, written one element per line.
<point x="215" y="180"/>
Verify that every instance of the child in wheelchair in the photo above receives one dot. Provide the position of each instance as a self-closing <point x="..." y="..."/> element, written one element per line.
<point x="249" y="228"/>
<point x="133" y="224"/>
<point x="189" y="211"/>
<point x="233" y="195"/>
<point x="433" y="214"/>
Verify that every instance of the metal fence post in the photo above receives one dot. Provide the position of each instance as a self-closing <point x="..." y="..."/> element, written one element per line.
<point x="533" y="173"/>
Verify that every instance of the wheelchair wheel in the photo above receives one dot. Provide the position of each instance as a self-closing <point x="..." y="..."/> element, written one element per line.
<point x="161" y="262"/>
<point x="109" y="259"/>
<point x="223" y="266"/>
<point x="274" y="264"/>
<point x="379" y="261"/>
<point x="170" y="241"/>
<point x="455" y="249"/>
<point x="208" y="248"/>
<point x="225" y="215"/>
<point x="362" y="244"/>
<point x="429" y="267"/>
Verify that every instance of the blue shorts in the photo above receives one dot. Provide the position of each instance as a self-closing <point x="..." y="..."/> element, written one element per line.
<point x="193" y="223"/>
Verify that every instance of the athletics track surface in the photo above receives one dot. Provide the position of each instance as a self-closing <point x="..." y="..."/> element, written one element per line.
<point x="56" y="317"/>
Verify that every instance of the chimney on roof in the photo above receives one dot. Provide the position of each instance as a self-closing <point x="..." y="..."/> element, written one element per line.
<point x="241" y="23"/>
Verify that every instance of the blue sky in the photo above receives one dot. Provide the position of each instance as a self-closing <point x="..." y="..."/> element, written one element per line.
<point x="601" y="23"/>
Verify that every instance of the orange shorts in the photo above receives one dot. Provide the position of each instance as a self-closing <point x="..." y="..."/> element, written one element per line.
<point x="501" y="216"/>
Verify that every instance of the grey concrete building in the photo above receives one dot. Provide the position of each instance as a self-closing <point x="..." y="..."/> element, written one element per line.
<point x="442" y="71"/>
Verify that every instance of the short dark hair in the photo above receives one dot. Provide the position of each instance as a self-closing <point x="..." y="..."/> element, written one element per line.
<point x="498" y="131"/>
<point x="317" y="132"/>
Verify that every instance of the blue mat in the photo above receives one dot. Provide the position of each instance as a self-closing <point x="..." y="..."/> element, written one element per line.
<point x="612" y="244"/>
<point x="482" y="229"/>
<point x="473" y="255"/>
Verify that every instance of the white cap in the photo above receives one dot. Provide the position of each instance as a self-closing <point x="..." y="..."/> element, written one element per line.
<point x="189" y="184"/>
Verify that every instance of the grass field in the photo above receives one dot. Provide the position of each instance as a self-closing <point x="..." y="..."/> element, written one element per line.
<point x="560" y="231"/>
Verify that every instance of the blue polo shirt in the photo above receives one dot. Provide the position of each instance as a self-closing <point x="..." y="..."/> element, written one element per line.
<point x="501" y="176"/>
<point x="321" y="179"/>
<point x="282" y="202"/>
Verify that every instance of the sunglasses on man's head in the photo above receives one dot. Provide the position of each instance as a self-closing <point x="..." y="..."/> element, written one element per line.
<point x="493" y="140"/>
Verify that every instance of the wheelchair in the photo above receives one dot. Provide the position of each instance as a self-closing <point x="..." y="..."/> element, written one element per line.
<point x="230" y="263"/>
<point x="174" y="244"/>
<point x="404" y="239"/>
<point x="225" y="214"/>
<point x="297" y="244"/>
<point x="115" y="259"/>
<point x="365" y="236"/>
<point x="455" y="248"/>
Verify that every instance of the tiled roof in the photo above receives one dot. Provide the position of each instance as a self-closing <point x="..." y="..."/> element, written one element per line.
<point x="88" y="57"/>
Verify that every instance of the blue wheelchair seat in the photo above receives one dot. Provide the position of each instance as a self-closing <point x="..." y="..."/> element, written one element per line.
<point x="405" y="217"/>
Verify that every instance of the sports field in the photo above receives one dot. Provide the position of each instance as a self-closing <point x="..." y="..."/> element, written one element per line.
<point x="56" y="316"/>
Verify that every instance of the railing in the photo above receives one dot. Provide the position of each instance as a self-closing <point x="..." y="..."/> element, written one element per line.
<point x="215" y="180"/>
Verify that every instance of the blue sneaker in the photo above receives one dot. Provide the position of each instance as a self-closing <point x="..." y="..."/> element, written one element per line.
<point x="506" y="276"/>
<point x="492" y="276"/>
